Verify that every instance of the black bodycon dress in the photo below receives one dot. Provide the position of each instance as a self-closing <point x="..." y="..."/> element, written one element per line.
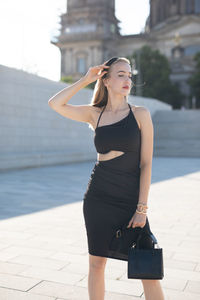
<point x="112" y="192"/>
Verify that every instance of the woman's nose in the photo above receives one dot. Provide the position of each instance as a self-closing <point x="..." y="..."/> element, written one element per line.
<point x="128" y="80"/>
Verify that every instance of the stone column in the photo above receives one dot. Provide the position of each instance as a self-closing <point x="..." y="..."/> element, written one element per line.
<point x="63" y="61"/>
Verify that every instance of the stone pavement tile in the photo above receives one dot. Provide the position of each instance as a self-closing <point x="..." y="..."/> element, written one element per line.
<point x="68" y="248"/>
<point x="182" y="274"/>
<point x="190" y="238"/>
<point x="166" y="253"/>
<point x="11" y="268"/>
<point x="69" y="257"/>
<point x="13" y="251"/>
<point x="167" y="242"/>
<point x="14" y="224"/>
<point x="114" y="273"/>
<point x="32" y="243"/>
<point x="120" y="264"/>
<point x="131" y="287"/>
<point x="59" y="232"/>
<point x="4" y="245"/>
<point x="183" y="250"/>
<point x="190" y="245"/>
<point x="178" y="295"/>
<point x="167" y="282"/>
<point x="58" y="240"/>
<point x="110" y="272"/>
<point x="59" y="290"/>
<point x="38" y="261"/>
<point x="173" y="283"/>
<point x="17" y="282"/>
<point x="52" y="275"/>
<point x="180" y="264"/>
<point x="197" y="268"/>
<point x="75" y="268"/>
<point x="193" y="287"/>
<point x="115" y="296"/>
<point x="45" y="243"/>
<point x="70" y="292"/>
<point x="7" y="294"/>
<point x="187" y="257"/>
<point x="14" y="234"/>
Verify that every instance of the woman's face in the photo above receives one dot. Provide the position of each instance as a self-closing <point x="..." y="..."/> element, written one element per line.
<point x="119" y="77"/>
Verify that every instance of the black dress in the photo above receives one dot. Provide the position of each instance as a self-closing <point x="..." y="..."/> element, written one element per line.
<point x="113" y="189"/>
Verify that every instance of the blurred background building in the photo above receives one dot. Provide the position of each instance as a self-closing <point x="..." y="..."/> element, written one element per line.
<point x="90" y="35"/>
<point x="32" y="134"/>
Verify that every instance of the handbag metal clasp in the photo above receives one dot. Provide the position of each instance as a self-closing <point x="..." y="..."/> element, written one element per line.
<point x="118" y="233"/>
<point x="133" y="245"/>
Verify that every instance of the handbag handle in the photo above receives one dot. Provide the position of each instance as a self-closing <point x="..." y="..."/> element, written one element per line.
<point x="155" y="242"/>
<point x="119" y="233"/>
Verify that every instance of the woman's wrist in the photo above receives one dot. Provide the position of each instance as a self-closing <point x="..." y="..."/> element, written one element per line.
<point x="142" y="203"/>
<point x="85" y="81"/>
<point x="141" y="208"/>
<point x="140" y="212"/>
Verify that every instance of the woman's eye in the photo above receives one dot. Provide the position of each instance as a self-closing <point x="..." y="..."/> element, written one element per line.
<point x="123" y="75"/>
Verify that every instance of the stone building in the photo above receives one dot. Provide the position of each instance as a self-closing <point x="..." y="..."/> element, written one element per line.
<point x="90" y="34"/>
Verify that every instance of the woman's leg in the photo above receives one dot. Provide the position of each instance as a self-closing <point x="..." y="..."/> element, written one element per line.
<point x="152" y="289"/>
<point x="96" y="283"/>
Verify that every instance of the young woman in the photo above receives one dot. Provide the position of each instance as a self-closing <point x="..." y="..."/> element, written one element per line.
<point x="119" y="184"/>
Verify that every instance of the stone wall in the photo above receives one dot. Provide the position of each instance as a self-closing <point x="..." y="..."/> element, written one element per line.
<point x="34" y="135"/>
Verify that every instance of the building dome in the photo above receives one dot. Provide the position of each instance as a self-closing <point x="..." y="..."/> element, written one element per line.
<point x="162" y="11"/>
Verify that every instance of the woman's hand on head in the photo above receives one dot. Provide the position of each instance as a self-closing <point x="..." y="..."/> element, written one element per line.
<point x="95" y="73"/>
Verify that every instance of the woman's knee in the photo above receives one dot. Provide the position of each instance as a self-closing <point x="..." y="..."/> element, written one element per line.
<point x="97" y="262"/>
<point x="150" y="281"/>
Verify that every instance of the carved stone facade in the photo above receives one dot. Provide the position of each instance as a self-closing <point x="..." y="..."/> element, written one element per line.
<point x="90" y="35"/>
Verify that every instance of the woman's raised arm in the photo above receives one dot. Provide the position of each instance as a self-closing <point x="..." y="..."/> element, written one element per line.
<point x="81" y="113"/>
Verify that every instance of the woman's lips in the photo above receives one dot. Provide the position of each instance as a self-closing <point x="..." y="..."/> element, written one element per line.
<point x="126" y="87"/>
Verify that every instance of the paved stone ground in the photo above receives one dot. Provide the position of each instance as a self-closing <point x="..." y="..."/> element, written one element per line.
<point x="43" y="246"/>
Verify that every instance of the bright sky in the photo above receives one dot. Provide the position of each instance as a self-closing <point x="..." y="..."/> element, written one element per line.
<point x="27" y="26"/>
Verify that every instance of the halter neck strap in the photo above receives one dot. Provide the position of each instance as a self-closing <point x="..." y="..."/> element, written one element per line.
<point x="103" y="111"/>
<point x="100" y="116"/>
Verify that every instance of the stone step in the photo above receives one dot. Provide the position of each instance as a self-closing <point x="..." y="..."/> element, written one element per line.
<point x="177" y="133"/>
<point x="168" y="116"/>
<point x="182" y="148"/>
<point x="177" y="130"/>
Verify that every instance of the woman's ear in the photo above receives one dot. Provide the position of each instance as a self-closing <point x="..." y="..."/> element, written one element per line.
<point x="105" y="82"/>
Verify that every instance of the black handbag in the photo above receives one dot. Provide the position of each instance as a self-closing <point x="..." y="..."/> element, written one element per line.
<point x="145" y="263"/>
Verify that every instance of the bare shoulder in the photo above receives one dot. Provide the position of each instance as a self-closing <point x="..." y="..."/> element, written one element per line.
<point x="142" y="114"/>
<point x="140" y="109"/>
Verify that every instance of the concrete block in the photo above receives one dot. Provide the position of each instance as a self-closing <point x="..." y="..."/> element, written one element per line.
<point x="52" y="275"/>
<point x="193" y="287"/>
<point x="17" y="282"/>
<point x="8" y="294"/>
<point x="11" y="268"/>
<point x="29" y="260"/>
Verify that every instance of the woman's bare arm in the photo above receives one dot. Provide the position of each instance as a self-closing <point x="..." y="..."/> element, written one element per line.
<point x="81" y="113"/>
<point x="146" y="126"/>
<point x="146" y="153"/>
<point x="59" y="103"/>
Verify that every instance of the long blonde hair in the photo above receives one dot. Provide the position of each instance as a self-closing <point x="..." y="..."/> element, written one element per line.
<point x="100" y="95"/>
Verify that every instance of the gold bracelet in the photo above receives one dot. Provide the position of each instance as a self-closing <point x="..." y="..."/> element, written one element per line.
<point x="140" y="212"/>
<point x="141" y="208"/>
<point x="140" y="204"/>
